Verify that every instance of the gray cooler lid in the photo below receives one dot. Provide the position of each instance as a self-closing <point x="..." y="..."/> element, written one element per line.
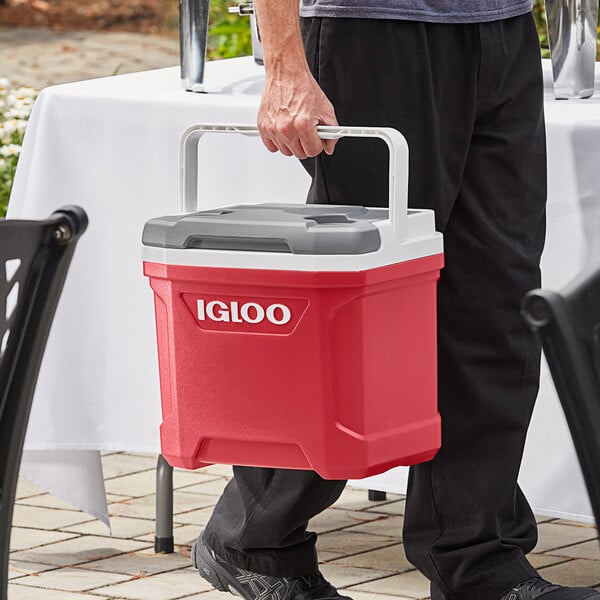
<point x="291" y="228"/>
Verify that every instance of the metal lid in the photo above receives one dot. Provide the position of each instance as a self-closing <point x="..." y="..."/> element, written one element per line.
<point x="289" y="228"/>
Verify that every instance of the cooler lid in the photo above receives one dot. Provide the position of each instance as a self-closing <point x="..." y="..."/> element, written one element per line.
<point x="288" y="228"/>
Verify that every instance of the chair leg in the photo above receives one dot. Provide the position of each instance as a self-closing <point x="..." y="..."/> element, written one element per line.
<point x="377" y="496"/>
<point x="163" y="539"/>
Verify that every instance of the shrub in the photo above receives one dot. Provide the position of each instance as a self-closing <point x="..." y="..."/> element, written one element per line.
<point x="15" y="108"/>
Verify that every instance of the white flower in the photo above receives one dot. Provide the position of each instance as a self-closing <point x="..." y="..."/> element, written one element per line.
<point x="20" y="125"/>
<point x="7" y="128"/>
<point x="4" y="86"/>
<point x="10" y="150"/>
<point x="26" y="91"/>
<point x="17" y="113"/>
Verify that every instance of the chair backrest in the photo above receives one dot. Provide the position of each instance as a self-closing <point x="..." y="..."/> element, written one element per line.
<point x="34" y="260"/>
<point x="568" y="325"/>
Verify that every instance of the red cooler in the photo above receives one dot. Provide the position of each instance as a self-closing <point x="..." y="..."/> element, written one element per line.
<point x="297" y="336"/>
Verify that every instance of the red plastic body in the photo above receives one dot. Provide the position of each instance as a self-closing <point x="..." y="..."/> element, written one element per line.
<point x="347" y="386"/>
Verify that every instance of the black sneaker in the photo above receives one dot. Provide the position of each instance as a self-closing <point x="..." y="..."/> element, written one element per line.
<point x="252" y="586"/>
<point x="536" y="587"/>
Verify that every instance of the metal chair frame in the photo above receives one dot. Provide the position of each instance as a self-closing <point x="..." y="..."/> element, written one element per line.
<point x="34" y="260"/>
<point x="568" y="325"/>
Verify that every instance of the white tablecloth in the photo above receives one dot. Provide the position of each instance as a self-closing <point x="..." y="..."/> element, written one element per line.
<point x="111" y="146"/>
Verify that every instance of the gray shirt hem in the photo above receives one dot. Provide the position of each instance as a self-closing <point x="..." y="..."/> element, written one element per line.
<point x="402" y="13"/>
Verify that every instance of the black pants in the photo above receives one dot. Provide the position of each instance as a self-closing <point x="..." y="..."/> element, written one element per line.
<point x="469" y="100"/>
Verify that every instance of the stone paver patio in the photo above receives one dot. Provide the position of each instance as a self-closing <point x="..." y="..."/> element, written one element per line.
<point x="62" y="554"/>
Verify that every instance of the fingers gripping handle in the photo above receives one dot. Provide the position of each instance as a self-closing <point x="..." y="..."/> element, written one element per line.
<point x="398" y="168"/>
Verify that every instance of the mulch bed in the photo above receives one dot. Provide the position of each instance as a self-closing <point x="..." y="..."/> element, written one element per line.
<point x="147" y="16"/>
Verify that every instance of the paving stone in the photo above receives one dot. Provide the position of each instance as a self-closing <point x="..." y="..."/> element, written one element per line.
<point x="25" y="489"/>
<point x="345" y="543"/>
<point x="576" y="572"/>
<point x="71" y="579"/>
<point x="393" y="508"/>
<point x="333" y="519"/>
<point x="165" y="586"/>
<point x="121" y="527"/>
<point x="123" y="463"/>
<point x="542" y="519"/>
<point x="342" y="576"/>
<point x="368" y="596"/>
<point x="140" y="563"/>
<point x="111" y="498"/>
<point x="354" y="498"/>
<point x="183" y="479"/>
<point x="386" y="525"/>
<point x="145" y="507"/>
<point x="213" y="486"/>
<point x="135" y="485"/>
<point x="325" y="556"/>
<point x="47" y="501"/>
<point x="78" y="550"/>
<point x="184" y="535"/>
<point x="22" y="538"/>
<point x="589" y="550"/>
<point x="21" y="592"/>
<point x="195" y="517"/>
<point x="411" y="585"/>
<point x="221" y="470"/>
<point x="81" y="55"/>
<point x="391" y="558"/>
<point x="211" y="595"/>
<point x="46" y="518"/>
<point x="19" y="568"/>
<point x="556" y="535"/>
<point x="545" y="560"/>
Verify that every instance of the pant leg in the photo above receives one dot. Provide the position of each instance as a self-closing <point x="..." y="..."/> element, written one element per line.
<point x="260" y="522"/>
<point x="469" y="100"/>
<point x="468" y="524"/>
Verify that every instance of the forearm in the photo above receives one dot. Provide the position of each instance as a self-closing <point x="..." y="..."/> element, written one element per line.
<point x="279" y="24"/>
<point x="292" y="103"/>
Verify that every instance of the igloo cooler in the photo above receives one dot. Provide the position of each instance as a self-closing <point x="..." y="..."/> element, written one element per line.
<point x="297" y="336"/>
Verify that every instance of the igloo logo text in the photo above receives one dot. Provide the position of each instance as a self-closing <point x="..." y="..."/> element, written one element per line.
<point x="246" y="312"/>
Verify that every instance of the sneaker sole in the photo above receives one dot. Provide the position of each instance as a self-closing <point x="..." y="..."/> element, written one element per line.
<point x="217" y="576"/>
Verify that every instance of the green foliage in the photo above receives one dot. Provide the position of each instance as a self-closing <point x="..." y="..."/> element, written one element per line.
<point x="540" y="20"/>
<point x="6" y="178"/>
<point x="229" y="34"/>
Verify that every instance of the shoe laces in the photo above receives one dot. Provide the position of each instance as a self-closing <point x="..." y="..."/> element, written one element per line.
<point x="535" y="587"/>
<point x="316" y="587"/>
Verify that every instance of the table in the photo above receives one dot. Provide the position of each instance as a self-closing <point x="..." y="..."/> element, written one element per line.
<point x="111" y="146"/>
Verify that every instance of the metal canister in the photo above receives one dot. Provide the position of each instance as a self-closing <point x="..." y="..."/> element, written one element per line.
<point x="572" y="33"/>
<point x="193" y="36"/>
<point x="247" y="9"/>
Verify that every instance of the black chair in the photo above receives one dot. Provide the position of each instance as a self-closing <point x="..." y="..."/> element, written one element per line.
<point x="568" y="325"/>
<point x="34" y="260"/>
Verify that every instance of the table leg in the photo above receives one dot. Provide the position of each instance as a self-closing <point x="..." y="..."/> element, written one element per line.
<point x="377" y="496"/>
<point x="163" y="539"/>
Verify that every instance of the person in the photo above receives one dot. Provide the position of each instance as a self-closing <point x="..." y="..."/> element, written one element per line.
<point x="462" y="81"/>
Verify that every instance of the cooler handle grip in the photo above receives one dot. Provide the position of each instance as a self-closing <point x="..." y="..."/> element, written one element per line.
<point x="398" y="171"/>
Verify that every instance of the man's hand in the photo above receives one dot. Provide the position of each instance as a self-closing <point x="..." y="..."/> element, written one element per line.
<point x="292" y="103"/>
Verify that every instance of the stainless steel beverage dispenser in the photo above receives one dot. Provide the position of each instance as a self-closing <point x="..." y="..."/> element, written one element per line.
<point x="572" y="33"/>
<point x="247" y="9"/>
<point x="193" y="35"/>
